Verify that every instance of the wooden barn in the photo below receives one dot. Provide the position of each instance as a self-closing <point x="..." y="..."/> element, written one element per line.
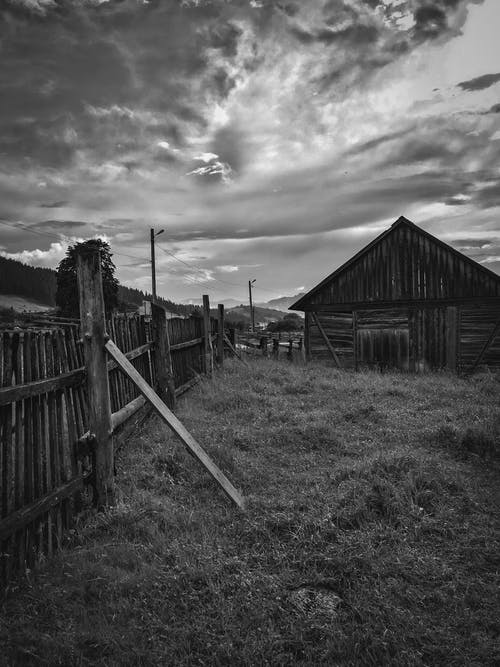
<point x="407" y="301"/>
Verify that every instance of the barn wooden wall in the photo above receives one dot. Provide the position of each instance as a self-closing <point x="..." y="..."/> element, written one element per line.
<point x="339" y="329"/>
<point x="476" y="324"/>
<point x="407" y="264"/>
<point x="416" y="339"/>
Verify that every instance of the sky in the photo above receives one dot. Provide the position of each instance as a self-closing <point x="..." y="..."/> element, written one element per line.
<point x="269" y="139"/>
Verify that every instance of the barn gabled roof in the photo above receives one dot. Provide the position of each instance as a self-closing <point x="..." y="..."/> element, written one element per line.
<point x="401" y="221"/>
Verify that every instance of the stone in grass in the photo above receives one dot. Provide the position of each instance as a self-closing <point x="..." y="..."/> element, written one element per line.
<point x="315" y="603"/>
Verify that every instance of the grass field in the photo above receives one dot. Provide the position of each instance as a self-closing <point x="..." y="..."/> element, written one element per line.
<point x="371" y="535"/>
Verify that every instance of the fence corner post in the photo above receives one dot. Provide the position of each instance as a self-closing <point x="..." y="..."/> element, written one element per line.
<point x="207" y="337"/>
<point x="165" y="384"/>
<point x="93" y="326"/>
<point x="220" y="335"/>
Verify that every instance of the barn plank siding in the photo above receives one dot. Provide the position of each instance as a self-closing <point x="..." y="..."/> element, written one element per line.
<point x="408" y="301"/>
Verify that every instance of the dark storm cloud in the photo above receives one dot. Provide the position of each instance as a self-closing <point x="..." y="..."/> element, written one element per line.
<point x="479" y="82"/>
<point x="488" y="196"/>
<point x="379" y="141"/>
<point x="430" y="21"/>
<point x="473" y="243"/>
<point x="57" y="225"/>
<point x="115" y="79"/>
<point x="55" y="204"/>
<point x="495" y="108"/>
<point x="354" y="34"/>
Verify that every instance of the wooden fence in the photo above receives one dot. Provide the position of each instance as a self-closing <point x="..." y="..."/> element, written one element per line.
<point x="276" y="345"/>
<point x="47" y="464"/>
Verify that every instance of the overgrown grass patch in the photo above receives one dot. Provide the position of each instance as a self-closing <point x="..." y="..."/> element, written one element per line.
<point x="371" y="535"/>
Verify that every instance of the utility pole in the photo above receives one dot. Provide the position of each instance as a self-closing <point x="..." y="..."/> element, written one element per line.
<point x="153" y="263"/>
<point x="252" y="314"/>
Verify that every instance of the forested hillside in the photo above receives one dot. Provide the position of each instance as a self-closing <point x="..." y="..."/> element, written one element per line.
<point x="39" y="284"/>
<point x="29" y="281"/>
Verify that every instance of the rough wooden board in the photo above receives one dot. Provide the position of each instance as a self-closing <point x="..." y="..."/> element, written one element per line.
<point x="326" y="339"/>
<point x="486" y="346"/>
<point x="36" y="388"/>
<point x="174" y="423"/>
<point x="29" y="513"/>
<point x="233" y="350"/>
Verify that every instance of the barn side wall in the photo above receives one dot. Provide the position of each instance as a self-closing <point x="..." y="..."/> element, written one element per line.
<point x="338" y="327"/>
<point x="476" y="324"/>
<point x="408" y="338"/>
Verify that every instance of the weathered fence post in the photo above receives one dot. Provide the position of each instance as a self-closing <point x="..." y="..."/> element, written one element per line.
<point x="220" y="336"/>
<point x="207" y="336"/>
<point x="93" y="325"/>
<point x="276" y="347"/>
<point x="263" y="345"/>
<point x="162" y="356"/>
<point x="290" y="350"/>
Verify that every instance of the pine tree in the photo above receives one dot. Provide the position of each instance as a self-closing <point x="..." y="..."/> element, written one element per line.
<point x="67" y="286"/>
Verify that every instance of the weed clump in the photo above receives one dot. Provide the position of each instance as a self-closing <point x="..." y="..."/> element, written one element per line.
<point x="482" y="441"/>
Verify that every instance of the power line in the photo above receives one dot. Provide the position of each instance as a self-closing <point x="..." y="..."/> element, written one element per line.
<point x="19" y="225"/>
<point x="197" y="268"/>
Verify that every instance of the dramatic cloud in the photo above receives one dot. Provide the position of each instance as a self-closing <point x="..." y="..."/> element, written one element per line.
<point x="480" y="82"/>
<point x="266" y="136"/>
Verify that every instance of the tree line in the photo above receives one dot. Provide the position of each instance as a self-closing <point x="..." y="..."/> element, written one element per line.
<point x="44" y="285"/>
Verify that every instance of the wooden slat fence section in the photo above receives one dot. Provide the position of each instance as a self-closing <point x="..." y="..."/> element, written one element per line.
<point x="186" y="345"/>
<point x="44" y="414"/>
<point x="130" y="333"/>
<point x="37" y="434"/>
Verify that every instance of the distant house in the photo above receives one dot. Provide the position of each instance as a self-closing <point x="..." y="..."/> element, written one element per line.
<point x="408" y="301"/>
<point x="146" y="310"/>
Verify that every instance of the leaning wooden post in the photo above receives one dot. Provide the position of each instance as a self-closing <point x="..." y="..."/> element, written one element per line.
<point x="93" y="325"/>
<point x="220" y="336"/>
<point x="165" y="384"/>
<point x="207" y="337"/>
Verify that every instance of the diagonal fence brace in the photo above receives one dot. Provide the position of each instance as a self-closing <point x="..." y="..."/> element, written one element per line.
<point x="174" y="424"/>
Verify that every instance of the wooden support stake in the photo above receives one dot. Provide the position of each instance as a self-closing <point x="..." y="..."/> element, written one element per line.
<point x="326" y="339"/>
<point x="162" y="356"/>
<point x="173" y="423"/>
<point x="234" y="350"/>
<point x="93" y="334"/>
<point x="220" y="336"/>
<point x="486" y="346"/>
<point x="207" y="335"/>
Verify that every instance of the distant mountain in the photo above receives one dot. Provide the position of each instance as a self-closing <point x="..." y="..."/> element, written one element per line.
<point x="228" y="303"/>
<point x="283" y="302"/>
<point x="261" y="314"/>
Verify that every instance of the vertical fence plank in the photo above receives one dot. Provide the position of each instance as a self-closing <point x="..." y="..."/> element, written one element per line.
<point x="163" y="360"/>
<point x="207" y="335"/>
<point x="220" y="335"/>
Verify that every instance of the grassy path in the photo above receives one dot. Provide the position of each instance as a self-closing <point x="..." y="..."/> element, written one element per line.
<point x="371" y="538"/>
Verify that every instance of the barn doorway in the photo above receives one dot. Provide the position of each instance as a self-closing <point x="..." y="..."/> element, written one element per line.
<point x="383" y="349"/>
